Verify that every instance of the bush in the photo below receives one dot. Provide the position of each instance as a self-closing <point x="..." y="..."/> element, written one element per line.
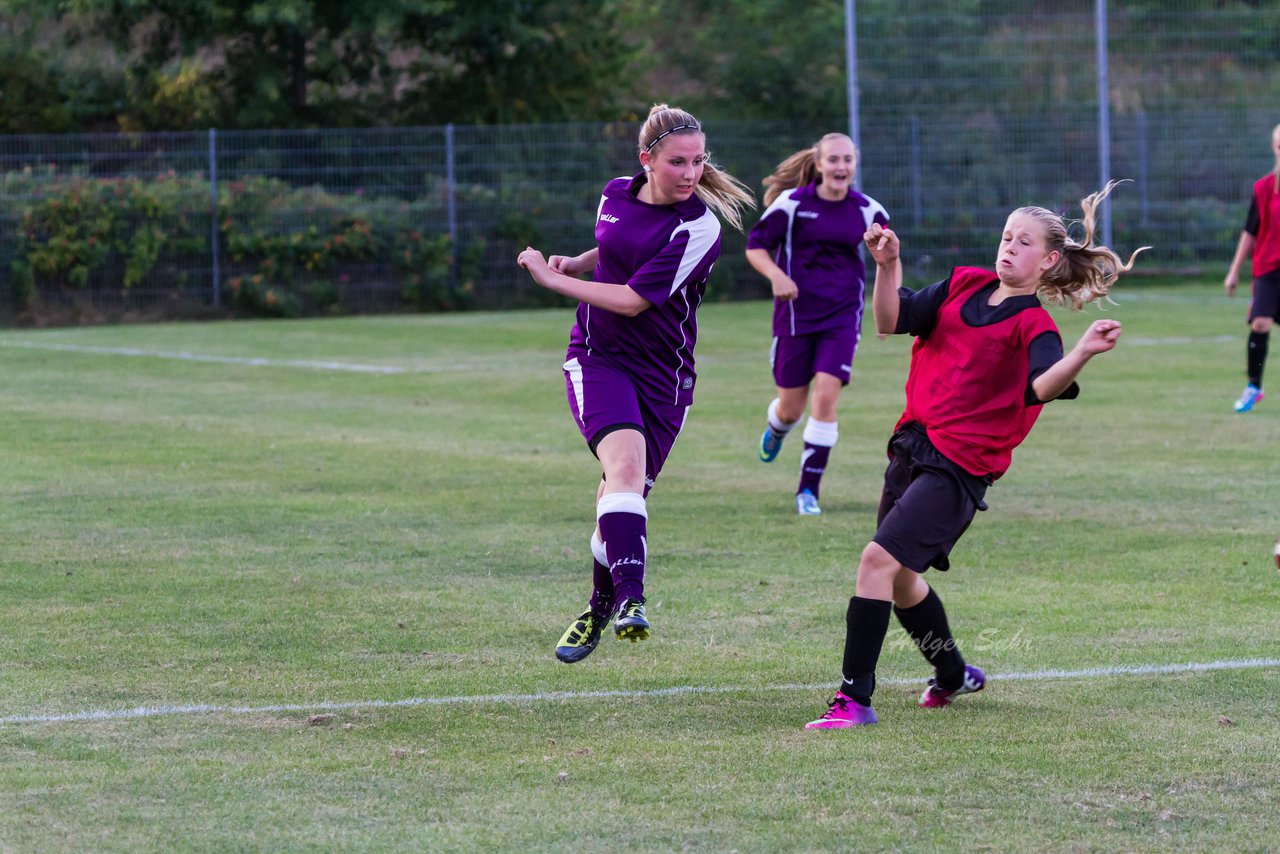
<point x="284" y="250"/>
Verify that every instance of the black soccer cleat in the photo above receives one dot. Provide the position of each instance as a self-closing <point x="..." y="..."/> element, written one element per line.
<point x="580" y="639"/>
<point x="629" y="621"/>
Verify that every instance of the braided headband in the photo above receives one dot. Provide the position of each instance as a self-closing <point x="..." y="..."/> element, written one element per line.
<point x="659" y="137"/>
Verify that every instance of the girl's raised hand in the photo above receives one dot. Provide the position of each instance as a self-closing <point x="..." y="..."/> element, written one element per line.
<point x="882" y="243"/>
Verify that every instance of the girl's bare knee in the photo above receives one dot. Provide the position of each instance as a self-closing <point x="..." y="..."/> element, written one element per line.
<point x="875" y="561"/>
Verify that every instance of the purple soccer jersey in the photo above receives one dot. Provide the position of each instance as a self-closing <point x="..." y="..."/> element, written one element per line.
<point x="665" y="254"/>
<point x="818" y="244"/>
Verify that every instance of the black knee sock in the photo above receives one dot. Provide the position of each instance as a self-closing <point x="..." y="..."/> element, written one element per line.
<point x="1257" y="356"/>
<point x="926" y="622"/>
<point x="866" y="623"/>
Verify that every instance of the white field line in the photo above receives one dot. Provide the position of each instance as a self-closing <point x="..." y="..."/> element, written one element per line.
<point x="563" y="696"/>
<point x="1178" y="341"/>
<point x="198" y="357"/>
<point x="354" y="367"/>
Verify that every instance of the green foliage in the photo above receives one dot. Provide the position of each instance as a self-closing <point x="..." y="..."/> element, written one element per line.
<point x="54" y="79"/>
<point x="162" y="65"/>
<point x="767" y="59"/>
<point x="513" y="61"/>
<point x="311" y="63"/>
<point x="287" y="250"/>
<point x="74" y="229"/>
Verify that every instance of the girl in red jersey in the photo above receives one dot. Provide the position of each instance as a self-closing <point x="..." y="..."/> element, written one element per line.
<point x="986" y="359"/>
<point x="1260" y="239"/>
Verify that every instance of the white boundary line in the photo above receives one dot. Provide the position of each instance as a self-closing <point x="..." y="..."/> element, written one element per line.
<point x="1180" y="340"/>
<point x="197" y="357"/>
<point x="355" y="367"/>
<point x="562" y="696"/>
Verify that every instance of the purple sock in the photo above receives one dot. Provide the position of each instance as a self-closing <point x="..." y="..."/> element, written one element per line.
<point x="602" y="579"/>
<point x="813" y="462"/>
<point x="622" y="520"/>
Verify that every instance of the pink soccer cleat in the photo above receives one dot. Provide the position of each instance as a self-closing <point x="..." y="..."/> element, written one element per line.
<point x="936" y="698"/>
<point x="844" y="712"/>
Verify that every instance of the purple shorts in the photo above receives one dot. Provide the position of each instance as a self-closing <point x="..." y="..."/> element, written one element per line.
<point x="1266" y="296"/>
<point x="796" y="358"/>
<point x="603" y="398"/>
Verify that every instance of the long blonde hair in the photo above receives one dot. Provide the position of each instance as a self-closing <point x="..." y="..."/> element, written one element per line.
<point x="719" y="190"/>
<point x="1085" y="271"/>
<point x="800" y="168"/>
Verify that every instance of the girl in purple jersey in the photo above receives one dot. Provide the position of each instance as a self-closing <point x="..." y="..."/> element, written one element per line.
<point x="808" y="245"/>
<point x="1260" y="240"/>
<point x="986" y="358"/>
<point x="629" y="370"/>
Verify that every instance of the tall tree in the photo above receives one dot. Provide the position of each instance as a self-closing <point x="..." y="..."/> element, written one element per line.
<point x="745" y="58"/>
<point x="306" y="63"/>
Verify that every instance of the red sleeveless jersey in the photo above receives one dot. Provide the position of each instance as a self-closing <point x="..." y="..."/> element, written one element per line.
<point x="967" y="385"/>
<point x="1266" y="248"/>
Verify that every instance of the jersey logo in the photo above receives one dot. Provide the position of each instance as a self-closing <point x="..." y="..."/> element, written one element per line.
<point x="807" y="214"/>
<point x="608" y="218"/>
<point x="687" y="384"/>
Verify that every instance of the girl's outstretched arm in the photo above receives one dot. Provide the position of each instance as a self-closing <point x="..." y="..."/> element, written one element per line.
<point x="1100" y="337"/>
<point x="610" y="297"/>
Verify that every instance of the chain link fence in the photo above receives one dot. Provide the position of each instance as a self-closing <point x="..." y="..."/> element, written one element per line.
<point x="962" y="118"/>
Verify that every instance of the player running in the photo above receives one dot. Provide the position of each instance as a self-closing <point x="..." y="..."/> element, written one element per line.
<point x="629" y="370"/>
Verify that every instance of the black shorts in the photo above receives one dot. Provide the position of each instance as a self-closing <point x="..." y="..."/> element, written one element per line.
<point x="1266" y="296"/>
<point x="927" y="503"/>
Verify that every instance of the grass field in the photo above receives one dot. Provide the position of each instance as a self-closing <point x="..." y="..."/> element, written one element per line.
<point x="308" y="602"/>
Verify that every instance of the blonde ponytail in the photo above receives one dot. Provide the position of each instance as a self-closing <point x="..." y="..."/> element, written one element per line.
<point x="1085" y="272"/>
<point x="799" y="169"/>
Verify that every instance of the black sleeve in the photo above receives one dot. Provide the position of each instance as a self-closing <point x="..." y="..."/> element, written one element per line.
<point x="1045" y="352"/>
<point x="918" y="310"/>
<point x="1253" y="222"/>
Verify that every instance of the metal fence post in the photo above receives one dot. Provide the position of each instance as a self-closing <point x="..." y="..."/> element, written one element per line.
<point x="451" y="211"/>
<point x="851" y="81"/>
<point x="916" y="182"/>
<point x="213" y="217"/>
<point x="1104" y="114"/>
<point x="1144" y="200"/>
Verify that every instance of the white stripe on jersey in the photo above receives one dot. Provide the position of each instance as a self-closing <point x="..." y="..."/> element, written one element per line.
<point x="870" y="211"/>
<point x="689" y="309"/>
<point x="788" y="206"/>
<point x="703" y="233"/>
<point x="604" y="198"/>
